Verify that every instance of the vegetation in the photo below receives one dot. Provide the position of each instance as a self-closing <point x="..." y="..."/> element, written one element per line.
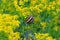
<point x="46" y="24"/>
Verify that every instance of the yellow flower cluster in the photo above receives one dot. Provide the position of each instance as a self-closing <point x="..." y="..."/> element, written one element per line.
<point x="34" y="6"/>
<point x="58" y="2"/>
<point x="43" y="24"/>
<point x="51" y="6"/>
<point x="25" y="12"/>
<point x="41" y="36"/>
<point x="8" y="22"/>
<point x="33" y="2"/>
<point x="25" y="0"/>
<point x="56" y="28"/>
<point x="21" y="2"/>
<point x="14" y="36"/>
<point x="17" y="7"/>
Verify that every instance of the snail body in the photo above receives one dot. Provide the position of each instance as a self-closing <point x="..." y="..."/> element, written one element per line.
<point x="29" y="19"/>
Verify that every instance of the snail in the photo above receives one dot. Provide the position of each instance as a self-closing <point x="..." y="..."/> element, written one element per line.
<point x="29" y="19"/>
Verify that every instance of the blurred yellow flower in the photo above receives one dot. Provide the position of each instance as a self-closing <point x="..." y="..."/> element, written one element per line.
<point x="40" y="6"/>
<point x="25" y="0"/>
<point x="1" y="29"/>
<point x="57" y="9"/>
<point x="48" y="8"/>
<point x="21" y="2"/>
<point x="52" y="3"/>
<point x="33" y="2"/>
<point x="41" y="36"/>
<point x="14" y="36"/>
<point x="56" y="28"/>
<point x="44" y="24"/>
<point x="8" y="22"/>
<point x="45" y="7"/>
<point x="31" y="8"/>
<point x="18" y="8"/>
<point x="15" y="2"/>
<point x="37" y="9"/>
<point x="44" y="1"/>
<point x="15" y="17"/>
<point x="15" y="23"/>
<point x="58" y="2"/>
<point x="50" y="38"/>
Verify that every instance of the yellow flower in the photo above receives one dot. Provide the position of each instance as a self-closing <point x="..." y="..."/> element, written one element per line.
<point x="44" y="24"/>
<point x="49" y="38"/>
<point x="25" y="0"/>
<point x="14" y="36"/>
<point x="7" y="29"/>
<point x="40" y="5"/>
<point x="17" y="7"/>
<point x="8" y="22"/>
<point x="45" y="7"/>
<point x="1" y="28"/>
<point x="57" y="9"/>
<point x="48" y="8"/>
<point x="46" y="34"/>
<point x="52" y="3"/>
<point x="58" y="2"/>
<point x="15" y="2"/>
<point x="56" y="28"/>
<point x="37" y="9"/>
<point x="51" y="6"/>
<point x="21" y="2"/>
<point x="33" y="2"/>
<point x="14" y="17"/>
<point x="15" y="23"/>
<point x="24" y="14"/>
<point x="44" y="1"/>
<point x="42" y="36"/>
<point x="31" y="8"/>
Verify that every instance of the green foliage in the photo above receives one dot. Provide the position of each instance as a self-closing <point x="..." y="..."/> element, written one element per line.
<point x="3" y="35"/>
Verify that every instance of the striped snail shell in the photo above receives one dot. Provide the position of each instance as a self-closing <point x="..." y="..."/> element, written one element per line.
<point x="29" y="19"/>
